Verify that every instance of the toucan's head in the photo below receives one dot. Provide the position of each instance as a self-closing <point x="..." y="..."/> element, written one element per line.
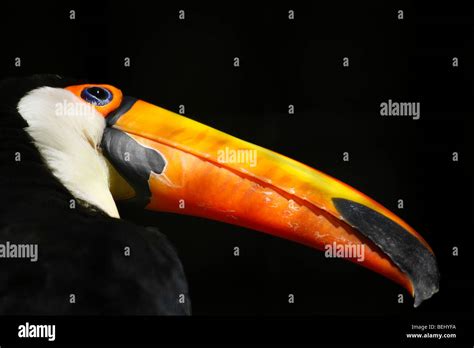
<point x="107" y="147"/>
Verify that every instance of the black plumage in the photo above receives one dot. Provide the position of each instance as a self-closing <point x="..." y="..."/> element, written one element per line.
<point x="81" y="251"/>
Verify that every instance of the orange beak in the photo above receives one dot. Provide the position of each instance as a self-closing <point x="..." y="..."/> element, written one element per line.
<point x="170" y="163"/>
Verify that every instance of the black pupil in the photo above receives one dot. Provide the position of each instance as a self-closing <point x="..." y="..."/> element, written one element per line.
<point x="99" y="93"/>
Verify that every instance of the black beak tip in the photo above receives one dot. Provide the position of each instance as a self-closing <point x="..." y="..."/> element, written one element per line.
<point x="410" y="255"/>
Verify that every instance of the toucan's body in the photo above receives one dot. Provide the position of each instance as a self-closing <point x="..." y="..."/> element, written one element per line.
<point x="99" y="146"/>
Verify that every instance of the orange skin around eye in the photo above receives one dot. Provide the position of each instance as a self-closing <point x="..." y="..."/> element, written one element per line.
<point x="104" y="109"/>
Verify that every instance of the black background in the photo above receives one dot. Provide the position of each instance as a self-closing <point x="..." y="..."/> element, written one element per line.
<point x="295" y="62"/>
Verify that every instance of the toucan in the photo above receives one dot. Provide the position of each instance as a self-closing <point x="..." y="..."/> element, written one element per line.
<point x="72" y="153"/>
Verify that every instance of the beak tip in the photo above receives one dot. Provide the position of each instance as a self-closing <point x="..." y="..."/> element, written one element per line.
<point x="426" y="288"/>
<point x="407" y="252"/>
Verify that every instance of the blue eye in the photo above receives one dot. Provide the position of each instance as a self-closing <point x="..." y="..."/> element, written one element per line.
<point x="97" y="95"/>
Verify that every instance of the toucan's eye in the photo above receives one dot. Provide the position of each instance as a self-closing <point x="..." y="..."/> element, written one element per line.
<point x="99" y="96"/>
